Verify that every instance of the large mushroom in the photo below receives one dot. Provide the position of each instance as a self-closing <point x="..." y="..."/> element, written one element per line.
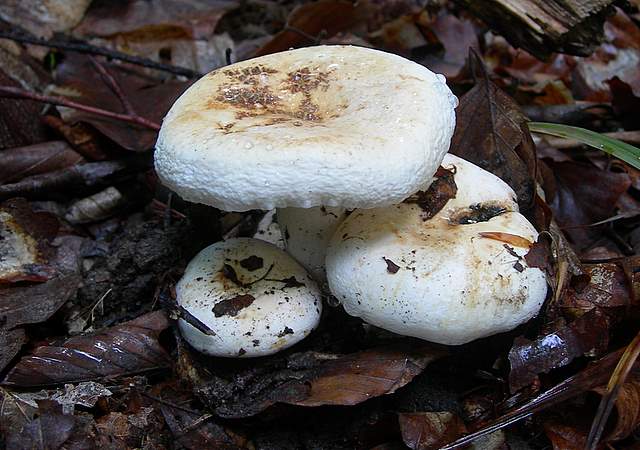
<point x="447" y="265"/>
<point x="319" y="126"/>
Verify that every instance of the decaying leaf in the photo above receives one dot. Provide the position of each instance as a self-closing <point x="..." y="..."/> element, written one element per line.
<point x="80" y="82"/>
<point x="627" y="407"/>
<point x="24" y="248"/>
<point x="195" y="432"/>
<point x="430" y="430"/>
<point x="308" y="379"/>
<point x="610" y="286"/>
<point x="491" y="132"/>
<point x="352" y="379"/>
<point x="20" y="305"/>
<point x="128" y="348"/>
<point x="193" y="18"/>
<point x="19" y="162"/>
<point x="565" y="437"/>
<point x="308" y="21"/>
<point x="584" y="195"/>
<point x="530" y="358"/>
<point x="11" y="341"/>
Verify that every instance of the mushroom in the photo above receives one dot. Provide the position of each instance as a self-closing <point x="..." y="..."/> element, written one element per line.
<point x="254" y="297"/>
<point x="446" y="266"/>
<point x="333" y="126"/>
<point x="307" y="232"/>
<point x="318" y="126"/>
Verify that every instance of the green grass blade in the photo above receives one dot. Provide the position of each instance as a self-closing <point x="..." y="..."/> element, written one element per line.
<point x="627" y="153"/>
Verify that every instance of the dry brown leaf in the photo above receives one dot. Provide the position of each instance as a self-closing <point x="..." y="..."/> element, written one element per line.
<point x="430" y="430"/>
<point x="139" y="18"/>
<point x="312" y="21"/>
<point x="78" y="79"/>
<point x="44" y="17"/>
<point x="627" y="407"/>
<point x="19" y="162"/>
<point x="352" y="379"/>
<point x="491" y="132"/>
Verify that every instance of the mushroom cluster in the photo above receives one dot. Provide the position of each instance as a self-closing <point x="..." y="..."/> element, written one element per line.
<point x="317" y="133"/>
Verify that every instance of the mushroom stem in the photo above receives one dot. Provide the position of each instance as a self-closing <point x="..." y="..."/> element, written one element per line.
<point x="307" y="232"/>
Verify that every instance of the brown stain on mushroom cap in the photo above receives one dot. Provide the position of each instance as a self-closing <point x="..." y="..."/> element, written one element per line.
<point x="260" y="95"/>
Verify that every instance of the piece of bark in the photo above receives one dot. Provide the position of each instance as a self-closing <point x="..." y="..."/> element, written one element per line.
<point x="545" y="26"/>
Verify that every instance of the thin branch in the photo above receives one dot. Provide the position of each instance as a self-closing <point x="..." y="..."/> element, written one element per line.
<point x="111" y="82"/>
<point x="7" y="91"/>
<point x="83" y="47"/>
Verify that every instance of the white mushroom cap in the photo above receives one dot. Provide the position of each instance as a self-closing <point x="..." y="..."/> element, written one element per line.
<point x="318" y="126"/>
<point x="440" y="279"/>
<point x="255" y="298"/>
<point x="307" y="232"/>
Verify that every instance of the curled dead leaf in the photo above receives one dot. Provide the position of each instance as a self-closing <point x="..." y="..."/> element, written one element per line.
<point x="430" y="430"/>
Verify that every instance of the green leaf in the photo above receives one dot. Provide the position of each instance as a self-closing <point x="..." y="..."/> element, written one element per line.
<point x="627" y="153"/>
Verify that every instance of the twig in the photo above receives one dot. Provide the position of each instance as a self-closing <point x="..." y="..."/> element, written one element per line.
<point x="83" y="47"/>
<point x="630" y="137"/>
<point x="168" y="403"/>
<point x="7" y="91"/>
<point x="114" y="86"/>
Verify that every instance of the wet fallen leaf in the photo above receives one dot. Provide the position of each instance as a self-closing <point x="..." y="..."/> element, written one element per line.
<point x="19" y="162"/>
<point x="557" y="349"/>
<point x="128" y="348"/>
<point x="491" y="132"/>
<point x="430" y="430"/>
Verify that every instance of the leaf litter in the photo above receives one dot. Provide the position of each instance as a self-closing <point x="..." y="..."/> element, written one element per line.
<point x="90" y="242"/>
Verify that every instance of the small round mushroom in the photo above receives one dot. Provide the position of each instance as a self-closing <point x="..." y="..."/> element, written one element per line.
<point x="318" y="126"/>
<point x="255" y="298"/>
<point x="447" y="273"/>
<point x="307" y="232"/>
